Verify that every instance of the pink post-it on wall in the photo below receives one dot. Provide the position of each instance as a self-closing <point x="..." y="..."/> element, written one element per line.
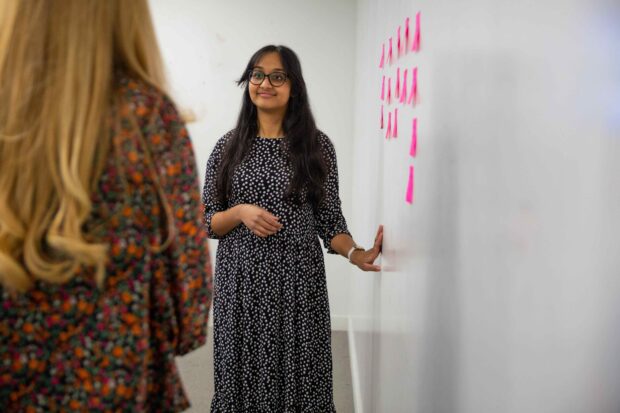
<point x="383" y="88"/>
<point x="390" y="52"/>
<point x="415" y="86"/>
<point x="413" y="93"/>
<point x="398" y="43"/>
<point x="403" y="92"/>
<point x="416" y="35"/>
<point x="395" y="128"/>
<point x="388" y="133"/>
<point x="381" y="116"/>
<point x="409" y="195"/>
<point x="381" y="63"/>
<point x="397" y="91"/>
<point x="413" y="149"/>
<point x="388" y="97"/>
<point x="406" y="34"/>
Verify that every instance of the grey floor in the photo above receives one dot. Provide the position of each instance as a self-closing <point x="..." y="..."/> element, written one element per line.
<point x="197" y="373"/>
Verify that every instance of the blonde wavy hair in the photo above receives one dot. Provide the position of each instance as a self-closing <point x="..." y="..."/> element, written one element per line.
<point x="57" y="65"/>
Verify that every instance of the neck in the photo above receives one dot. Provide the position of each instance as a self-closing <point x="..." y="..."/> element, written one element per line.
<point x="270" y="124"/>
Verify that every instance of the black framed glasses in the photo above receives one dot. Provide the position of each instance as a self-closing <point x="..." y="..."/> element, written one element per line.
<point x="275" y="78"/>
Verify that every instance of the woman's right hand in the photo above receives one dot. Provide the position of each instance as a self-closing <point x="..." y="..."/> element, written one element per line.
<point x="258" y="220"/>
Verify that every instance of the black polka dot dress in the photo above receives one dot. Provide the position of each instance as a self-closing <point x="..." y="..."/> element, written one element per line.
<point x="271" y="311"/>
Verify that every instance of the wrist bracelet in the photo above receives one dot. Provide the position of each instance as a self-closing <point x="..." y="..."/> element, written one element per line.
<point x="353" y="248"/>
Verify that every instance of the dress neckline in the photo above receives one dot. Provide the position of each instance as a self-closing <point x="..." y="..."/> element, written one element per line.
<point x="279" y="138"/>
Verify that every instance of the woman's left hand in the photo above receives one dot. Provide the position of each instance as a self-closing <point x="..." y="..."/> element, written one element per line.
<point x="365" y="259"/>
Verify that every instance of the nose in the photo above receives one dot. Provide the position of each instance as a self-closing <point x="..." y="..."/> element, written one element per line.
<point x="265" y="85"/>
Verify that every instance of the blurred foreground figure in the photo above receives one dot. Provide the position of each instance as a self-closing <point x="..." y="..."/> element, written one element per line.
<point x="104" y="270"/>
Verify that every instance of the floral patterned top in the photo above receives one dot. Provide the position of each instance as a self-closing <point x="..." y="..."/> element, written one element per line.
<point x="77" y="348"/>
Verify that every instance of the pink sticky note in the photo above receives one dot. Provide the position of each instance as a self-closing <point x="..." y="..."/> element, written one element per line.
<point x="415" y="86"/>
<point x="383" y="88"/>
<point x="389" y="91"/>
<point x="413" y="93"/>
<point x="397" y="91"/>
<point x="390" y="52"/>
<point x="406" y="34"/>
<point x="413" y="150"/>
<point x="416" y="35"/>
<point x="388" y="133"/>
<point x="382" y="56"/>
<point x="403" y="93"/>
<point x="398" y="43"/>
<point x="381" y="116"/>
<point x="395" y="128"/>
<point x="409" y="195"/>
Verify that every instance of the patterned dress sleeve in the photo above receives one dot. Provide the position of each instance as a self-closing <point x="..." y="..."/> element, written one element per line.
<point x="209" y="193"/>
<point x="329" y="219"/>
<point x="190" y="271"/>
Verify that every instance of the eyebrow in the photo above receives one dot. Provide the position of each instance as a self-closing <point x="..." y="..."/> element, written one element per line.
<point x="274" y="70"/>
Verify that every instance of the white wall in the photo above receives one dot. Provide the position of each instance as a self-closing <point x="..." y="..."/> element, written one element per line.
<point x="500" y="284"/>
<point x="206" y="45"/>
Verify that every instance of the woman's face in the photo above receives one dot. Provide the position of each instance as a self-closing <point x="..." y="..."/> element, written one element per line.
<point x="265" y="96"/>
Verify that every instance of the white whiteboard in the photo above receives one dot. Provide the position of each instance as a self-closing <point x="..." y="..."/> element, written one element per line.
<point x="500" y="290"/>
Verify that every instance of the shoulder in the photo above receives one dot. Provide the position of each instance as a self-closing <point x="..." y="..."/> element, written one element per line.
<point x="148" y="104"/>
<point x="221" y="144"/>
<point x="223" y="140"/>
<point x="326" y="144"/>
<point x="153" y="110"/>
<point x="142" y="97"/>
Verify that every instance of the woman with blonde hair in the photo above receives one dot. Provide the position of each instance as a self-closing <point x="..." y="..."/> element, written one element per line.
<point x="105" y="275"/>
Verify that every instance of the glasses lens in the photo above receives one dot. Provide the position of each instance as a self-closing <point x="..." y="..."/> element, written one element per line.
<point x="257" y="77"/>
<point x="277" y="78"/>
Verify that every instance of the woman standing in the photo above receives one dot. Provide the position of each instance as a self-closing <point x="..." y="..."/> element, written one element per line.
<point x="104" y="269"/>
<point x="271" y="191"/>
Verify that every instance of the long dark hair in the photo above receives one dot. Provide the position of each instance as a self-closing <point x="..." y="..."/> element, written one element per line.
<point x="302" y="137"/>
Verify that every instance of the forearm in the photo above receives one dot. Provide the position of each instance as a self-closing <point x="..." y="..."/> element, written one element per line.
<point x="342" y="244"/>
<point x="224" y="222"/>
